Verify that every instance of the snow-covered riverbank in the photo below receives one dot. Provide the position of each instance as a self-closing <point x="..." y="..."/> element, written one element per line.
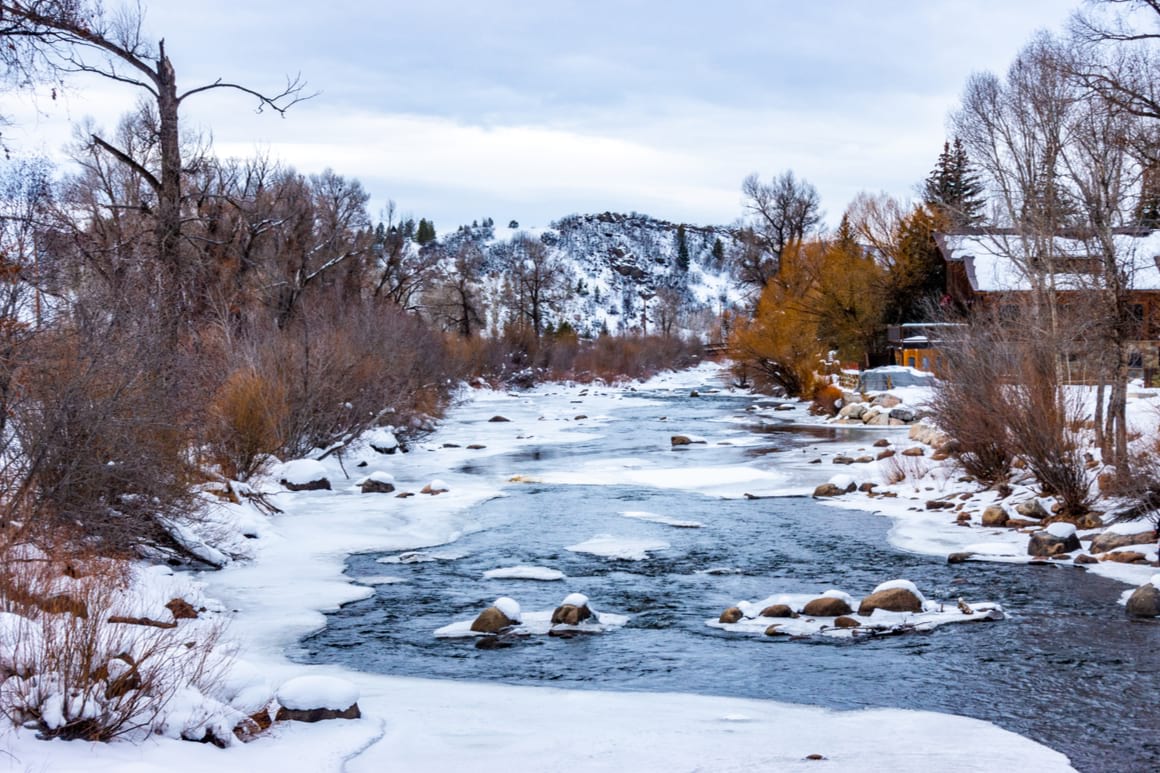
<point x="414" y="724"/>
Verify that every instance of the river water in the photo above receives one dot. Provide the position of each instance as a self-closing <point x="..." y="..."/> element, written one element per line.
<point x="1067" y="668"/>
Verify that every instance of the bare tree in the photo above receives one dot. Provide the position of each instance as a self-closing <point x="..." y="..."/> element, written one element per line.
<point x="781" y="213"/>
<point x="1124" y="69"/>
<point x="457" y="300"/>
<point x="58" y="38"/>
<point x="1015" y="129"/>
<point x="536" y="279"/>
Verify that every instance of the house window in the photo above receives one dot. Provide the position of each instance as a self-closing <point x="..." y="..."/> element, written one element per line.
<point x="926" y="363"/>
<point x="910" y="362"/>
<point x="1135" y="360"/>
<point x="1137" y="311"/>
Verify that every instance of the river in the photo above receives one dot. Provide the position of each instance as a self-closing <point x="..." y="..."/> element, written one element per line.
<point x="1067" y="668"/>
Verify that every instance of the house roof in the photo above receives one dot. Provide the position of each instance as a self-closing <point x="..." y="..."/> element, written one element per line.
<point x="994" y="260"/>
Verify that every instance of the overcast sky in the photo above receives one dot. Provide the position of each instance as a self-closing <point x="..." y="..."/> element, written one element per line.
<point x="533" y="110"/>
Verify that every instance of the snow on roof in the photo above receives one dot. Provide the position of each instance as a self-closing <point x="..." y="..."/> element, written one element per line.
<point x="994" y="262"/>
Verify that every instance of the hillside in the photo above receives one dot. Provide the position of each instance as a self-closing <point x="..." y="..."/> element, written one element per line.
<point x="612" y="272"/>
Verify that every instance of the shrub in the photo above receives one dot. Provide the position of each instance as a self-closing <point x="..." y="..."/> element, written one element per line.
<point x="244" y="420"/>
<point x="68" y="667"/>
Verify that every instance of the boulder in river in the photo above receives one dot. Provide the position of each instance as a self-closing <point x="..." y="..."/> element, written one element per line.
<point x="826" y="606"/>
<point x="731" y="615"/>
<point x="778" y="610"/>
<point x="1145" y="600"/>
<point x="892" y="600"/>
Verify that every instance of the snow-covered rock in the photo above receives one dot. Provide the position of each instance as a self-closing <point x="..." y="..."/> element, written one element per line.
<point x="304" y="475"/>
<point x="383" y="441"/>
<point x="314" y="698"/>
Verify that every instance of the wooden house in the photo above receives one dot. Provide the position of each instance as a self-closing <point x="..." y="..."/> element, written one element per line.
<point x="998" y="270"/>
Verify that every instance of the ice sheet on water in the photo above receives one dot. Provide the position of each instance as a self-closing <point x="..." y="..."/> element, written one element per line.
<point x="666" y="520"/>
<point x="524" y="573"/>
<point x="626" y="548"/>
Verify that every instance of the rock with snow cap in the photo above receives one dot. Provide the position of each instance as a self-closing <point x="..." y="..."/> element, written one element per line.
<point x="315" y="698"/>
<point x="893" y="596"/>
<point x="573" y="610"/>
<point x="1145" y="600"/>
<point x="1055" y="539"/>
<point x="304" y="475"/>
<point x="504" y="613"/>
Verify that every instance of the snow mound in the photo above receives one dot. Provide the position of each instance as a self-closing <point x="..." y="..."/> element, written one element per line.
<point x="1061" y="530"/>
<point x="626" y="548"/>
<point x="382" y="440"/>
<point x="1142" y="526"/>
<point x="666" y="520"/>
<point x="843" y="481"/>
<point x="378" y="477"/>
<point x="575" y="600"/>
<point x="300" y="472"/>
<point x="317" y="692"/>
<point x="510" y="608"/>
<point x="524" y="573"/>
<point x="834" y="593"/>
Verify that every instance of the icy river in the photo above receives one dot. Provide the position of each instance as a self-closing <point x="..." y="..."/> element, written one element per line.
<point x="1066" y="668"/>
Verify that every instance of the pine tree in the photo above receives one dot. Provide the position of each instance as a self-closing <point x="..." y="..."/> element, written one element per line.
<point x="425" y="233"/>
<point x="718" y="252"/>
<point x="953" y="187"/>
<point x="682" y="249"/>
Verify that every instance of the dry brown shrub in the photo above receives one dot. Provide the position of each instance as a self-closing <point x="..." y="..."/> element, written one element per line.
<point x="69" y="670"/>
<point x="826" y="399"/>
<point x="245" y="417"/>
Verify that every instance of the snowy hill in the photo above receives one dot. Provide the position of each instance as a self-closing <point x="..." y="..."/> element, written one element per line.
<point x="615" y="272"/>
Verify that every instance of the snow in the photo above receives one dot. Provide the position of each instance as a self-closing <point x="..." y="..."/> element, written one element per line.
<point x="1155" y="580"/>
<point x="378" y="476"/>
<point x="300" y="472"/>
<point x="575" y="600"/>
<point x="904" y="585"/>
<point x="524" y="573"/>
<point x="303" y="693"/>
<point x="1141" y="526"/>
<point x="993" y="263"/>
<point x="666" y="520"/>
<point x="626" y="548"/>
<point x="536" y="623"/>
<point x="834" y="593"/>
<point x="297" y="574"/>
<point x="510" y="608"/>
<point x="843" y="481"/>
<point x="1061" y="530"/>
<point x="382" y="439"/>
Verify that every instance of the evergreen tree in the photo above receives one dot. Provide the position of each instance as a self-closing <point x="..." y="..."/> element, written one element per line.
<point x="682" y="249"/>
<point x="953" y="187"/>
<point x="425" y="233"/>
<point x="718" y="252"/>
<point x="846" y="238"/>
